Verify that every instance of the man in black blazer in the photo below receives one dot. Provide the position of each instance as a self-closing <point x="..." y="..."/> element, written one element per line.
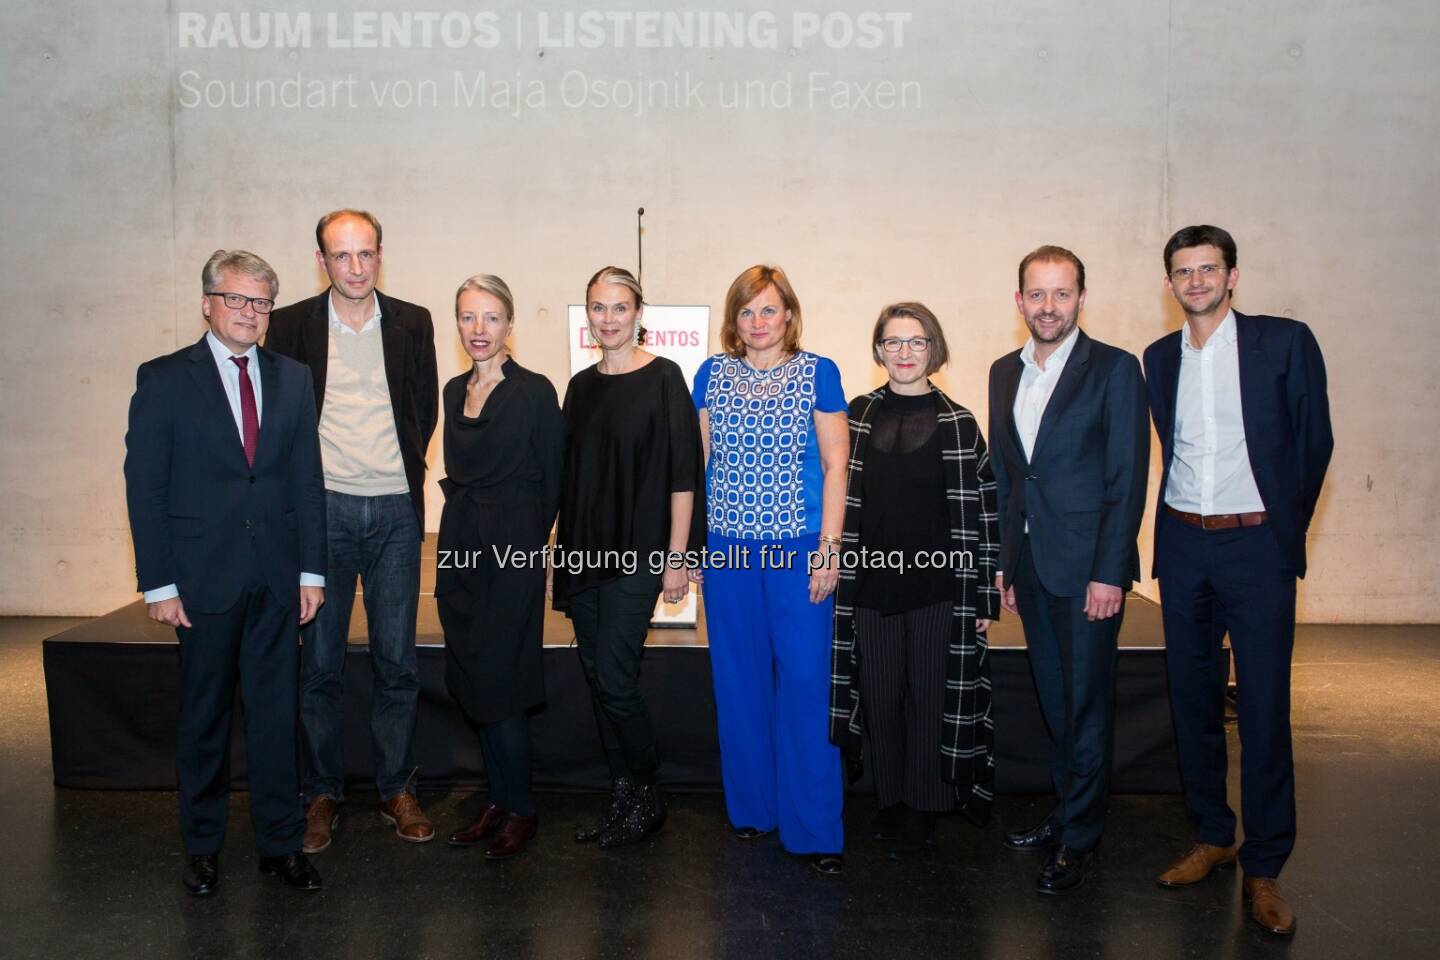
<point x="372" y="359"/>
<point x="227" y="511"/>
<point x="1070" y="447"/>
<point x="1241" y="410"/>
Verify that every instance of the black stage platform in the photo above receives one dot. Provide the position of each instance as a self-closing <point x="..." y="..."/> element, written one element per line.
<point x="112" y="685"/>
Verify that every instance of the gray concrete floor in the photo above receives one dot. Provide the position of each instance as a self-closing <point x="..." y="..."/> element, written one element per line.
<point x="96" y="874"/>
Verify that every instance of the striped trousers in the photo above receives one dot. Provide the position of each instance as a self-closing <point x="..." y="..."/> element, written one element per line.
<point x="902" y="693"/>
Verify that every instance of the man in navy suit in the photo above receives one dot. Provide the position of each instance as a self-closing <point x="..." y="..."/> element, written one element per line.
<point x="227" y="511"/>
<point x="1244" y="423"/>
<point x="1070" y="447"/>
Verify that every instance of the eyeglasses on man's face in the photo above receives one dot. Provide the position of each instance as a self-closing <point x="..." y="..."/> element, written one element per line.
<point x="1206" y="270"/>
<point x="916" y="344"/>
<point x="237" y="301"/>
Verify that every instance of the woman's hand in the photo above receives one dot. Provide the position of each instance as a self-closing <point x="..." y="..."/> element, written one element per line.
<point x="674" y="584"/>
<point x="825" y="576"/>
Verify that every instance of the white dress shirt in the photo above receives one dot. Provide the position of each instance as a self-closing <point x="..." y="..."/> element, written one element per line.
<point x="1210" y="471"/>
<point x="1037" y="384"/>
<point x="230" y="379"/>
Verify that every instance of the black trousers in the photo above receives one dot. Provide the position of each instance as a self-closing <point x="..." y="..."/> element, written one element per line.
<point x="611" y="622"/>
<point x="902" y="694"/>
<point x="254" y="643"/>
<point x="504" y="741"/>
<point x="1238" y="580"/>
<point x="1073" y="662"/>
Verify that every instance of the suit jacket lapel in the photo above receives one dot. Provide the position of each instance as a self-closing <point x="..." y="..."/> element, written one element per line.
<point x="1011" y="388"/>
<point x="392" y="344"/>
<point x="316" y="334"/>
<point x="1070" y="379"/>
<point x="267" y="446"/>
<point x="215" y="405"/>
<point x="1249" y="353"/>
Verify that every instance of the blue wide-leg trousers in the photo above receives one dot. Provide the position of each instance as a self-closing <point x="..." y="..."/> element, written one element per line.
<point x="770" y="659"/>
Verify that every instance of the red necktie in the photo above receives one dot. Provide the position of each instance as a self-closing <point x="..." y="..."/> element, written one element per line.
<point x="249" y="418"/>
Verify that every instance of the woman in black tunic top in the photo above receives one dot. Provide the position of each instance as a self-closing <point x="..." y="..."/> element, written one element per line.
<point x="917" y="589"/>
<point x="504" y="456"/>
<point x="629" y="497"/>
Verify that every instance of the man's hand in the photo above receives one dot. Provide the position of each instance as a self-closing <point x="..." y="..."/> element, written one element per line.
<point x="1007" y="595"/>
<point x="310" y="600"/>
<point x="1102" y="601"/>
<point x="982" y="625"/>
<point x="170" y="611"/>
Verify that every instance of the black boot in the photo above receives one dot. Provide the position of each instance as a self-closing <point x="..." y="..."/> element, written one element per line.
<point x="620" y="790"/>
<point x="642" y="816"/>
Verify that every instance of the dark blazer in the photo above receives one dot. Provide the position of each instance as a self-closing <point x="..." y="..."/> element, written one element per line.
<point x="1083" y="491"/>
<point x="1286" y="413"/>
<point x="194" y="501"/>
<point x="407" y="337"/>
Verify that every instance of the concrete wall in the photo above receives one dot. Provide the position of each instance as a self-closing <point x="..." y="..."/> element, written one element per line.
<point x="1307" y="127"/>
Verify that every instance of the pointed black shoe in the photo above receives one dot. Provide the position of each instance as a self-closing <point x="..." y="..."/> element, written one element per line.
<point x="749" y="833"/>
<point x="1064" y="870"/>
<point x="830" y="864"/>
<point x="294" y="869"/>
<point x="1043" y="834"/>
<point x="202" y="875"/>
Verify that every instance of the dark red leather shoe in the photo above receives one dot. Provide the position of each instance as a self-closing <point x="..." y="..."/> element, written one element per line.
<point x="515" y="831"/>
<point x="481" y="829"/>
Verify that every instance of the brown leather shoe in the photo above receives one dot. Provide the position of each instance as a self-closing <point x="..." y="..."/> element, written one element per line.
<point x="1197" y="864"/>
<point x="321" y="818"/>
<point x="515" y="831"/>
<point x="1268" y="906"/>
<point x="403" y="812"/>
<point x="480" y="830"/>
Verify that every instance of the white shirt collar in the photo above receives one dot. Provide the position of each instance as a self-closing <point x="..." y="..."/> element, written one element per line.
<point x="223" y="353"/>
<point x="1057" y="358"/>
<point x="337" y="324"/>
<point x="1223" y="336"/>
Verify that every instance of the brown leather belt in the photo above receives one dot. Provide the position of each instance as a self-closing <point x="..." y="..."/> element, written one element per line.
<point x="1218" y="521"/>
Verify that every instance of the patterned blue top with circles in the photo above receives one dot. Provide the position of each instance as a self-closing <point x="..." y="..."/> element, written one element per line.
<point x="764" y="480"/>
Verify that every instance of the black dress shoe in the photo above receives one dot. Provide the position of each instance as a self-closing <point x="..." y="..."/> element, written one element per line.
<point x="1043" y="834"/>
<point x="749" y="833"/>
<point x="294" y="869"/>
<point x="1063" y="871"/>
<point x="830" y="864"/>
<point x="202" y="875"/>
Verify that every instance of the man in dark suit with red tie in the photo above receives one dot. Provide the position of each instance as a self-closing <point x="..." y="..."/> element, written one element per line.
<point x="1241" y="411"/>
<point x="227" y="511"/>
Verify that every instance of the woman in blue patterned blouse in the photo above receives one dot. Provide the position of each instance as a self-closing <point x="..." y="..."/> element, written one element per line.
<point x="772" y="419"/>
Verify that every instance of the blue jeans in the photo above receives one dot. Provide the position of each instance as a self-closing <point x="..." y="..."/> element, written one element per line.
<point x="378" y="540"/>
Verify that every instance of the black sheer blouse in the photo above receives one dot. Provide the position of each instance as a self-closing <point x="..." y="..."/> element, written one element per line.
<point x="903" y="506"/>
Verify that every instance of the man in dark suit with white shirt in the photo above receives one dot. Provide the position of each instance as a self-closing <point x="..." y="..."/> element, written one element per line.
<point x="1070" y="447"/>
<point x="1241" y="411"/>
<point x="227" y="512"/>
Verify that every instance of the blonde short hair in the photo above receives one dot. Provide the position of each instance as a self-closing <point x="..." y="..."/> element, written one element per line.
<point x="491" y="284"/>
